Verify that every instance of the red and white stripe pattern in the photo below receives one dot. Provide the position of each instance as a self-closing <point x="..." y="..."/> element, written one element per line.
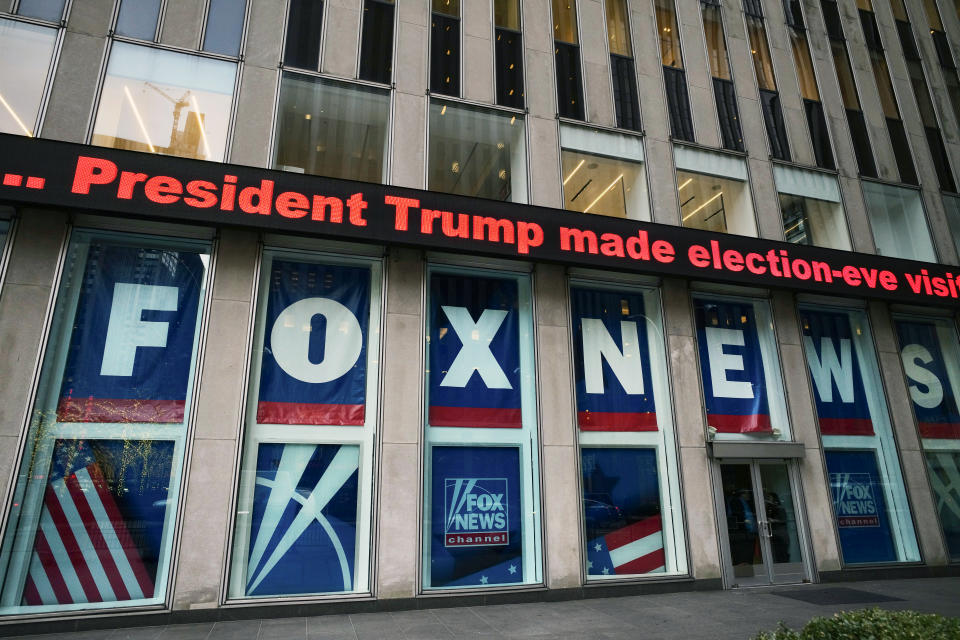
<point x="636" y="548"/>
<point x="83" y="551"/>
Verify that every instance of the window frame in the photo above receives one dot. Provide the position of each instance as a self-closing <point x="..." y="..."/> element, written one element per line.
<point x="666" y="448"/>
<point x="242" y="46"/>
<point x="530" y="453"/>
<point x="252" y="434"/>
<point x="864" y="181"/>
<point x="54" y="345"/>
<point x="826" y="172"/>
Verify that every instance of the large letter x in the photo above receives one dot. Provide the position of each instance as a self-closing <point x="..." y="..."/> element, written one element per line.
<point x="475" y="354"/>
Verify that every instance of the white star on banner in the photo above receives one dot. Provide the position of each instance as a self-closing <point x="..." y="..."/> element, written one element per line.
<point x="597" y="547"/>
<point x="512" y="569"/>
<point x="483" y="579"/>
<point x="606" y="571"/>
<point x="589" y="564"/>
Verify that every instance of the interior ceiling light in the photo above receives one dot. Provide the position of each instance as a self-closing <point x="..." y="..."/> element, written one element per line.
<point x="689" y="215"/>
<point x="604" y="192"/>
<point x="575" y="169"/>
<point x="136" y="113"/>
<point x="15" y="116"/>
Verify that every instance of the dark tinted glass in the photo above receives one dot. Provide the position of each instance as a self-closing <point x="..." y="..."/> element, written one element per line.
<point x="943" y="49"/>
<point x="940" y="160"/>
<point x="569" y="86"/>
<point x="901" y="151"/>
<point x="871" y="33"/>
<point x="831" y="17"/>
<point x="625" y="97"/>
<point x="445" y="55"/>
<point x="728" y="114"/>
<point x="376" y="49"/>
<point x="773" y="119"/>
<point x="224" y="27"/>
<point x="861" y="143"/>
<point x="509" y="52"/>
<point x="678" y="104"/>
<point x="793" y="13"/>
<point x="44" y="9"/>
<point x="753" y="8"/>
<point x="303" y="34"/>
<point x="138" y="18"/>
<point x="907" y="41"/>
<point x="819" y="134"/>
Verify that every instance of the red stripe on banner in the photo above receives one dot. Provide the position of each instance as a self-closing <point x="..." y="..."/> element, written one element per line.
<point x="643" y="564"/>
<point x="307" y="413"/>
<point x="475" y="417"/>
<point x="120" y="529"/>
<point x="50" y="568"/>
<point x="633" y="532"/>
<point x="846" y="427"/>
<point x="70" y="543"/>
<point x="757" y="423"/>
<point x="945" y="430"/>
<point x="122" y="410"/>
<point x="96" y="537"/>
<point x="612" y="421"/>
<point x="31" y="596"/>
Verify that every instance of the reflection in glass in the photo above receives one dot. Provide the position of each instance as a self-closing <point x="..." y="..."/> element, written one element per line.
<point x="165" y="102"/>
<point x="743" y="523"/>
<point x="331" y="128"/>
<point x="814" y="222"/>
<point x="618" y="28"/>
<point x="27" y="52"/>
<point x="565" y="21"/>
<point x="713" y="203"/>
<point x="138" y="18"/>
<point x="782" y="530"/>
<point x="376" y="45"/>
<point x="898" y="222"/>
<point x="606" y="186"/>
<point x="944" y="468"/>
<point x="670" y="52"/>
<point x="804" y="63"/>
<point x="477" y="152"/>
<point x="304" y="22"/>
<point x="92" y="515"/>
<point x="506" y="14"/>
<point x="762" y="64"/>
<point x="716" y="44"/>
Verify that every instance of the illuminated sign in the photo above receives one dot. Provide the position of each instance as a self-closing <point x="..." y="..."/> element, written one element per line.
<point x="131" y="184"/>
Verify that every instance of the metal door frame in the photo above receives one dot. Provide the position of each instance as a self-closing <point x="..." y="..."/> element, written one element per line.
<point x="726" y="561"/>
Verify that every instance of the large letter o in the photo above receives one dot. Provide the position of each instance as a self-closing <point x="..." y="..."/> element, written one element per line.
<point x="290" y="340"/>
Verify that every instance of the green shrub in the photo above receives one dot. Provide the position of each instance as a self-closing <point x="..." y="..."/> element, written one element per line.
<point x="872" y="624"/>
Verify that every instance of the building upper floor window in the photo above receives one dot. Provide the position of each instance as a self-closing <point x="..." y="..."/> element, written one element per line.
<point x="24" y="66"/>
<point x="626" y="100"/>
<point x="811" y="207"/>
<point x="376" y="41"/>
<point x="714" y="192"/>
<point x="674" y="76"/>
<point x="508" y="49"/>
<point x="603" y="173"/>
<point x="304" y="21"/>
<point x="566" y="48"/>
<point x="477" y="152"/>
<point x="898" y="222"/>
<point x="724" y="92"/>
<point x="330" y="128"/>
<point x="166" y="102"/>
<point x="223" y="26"/>
<point x="51" y="10"/>
<point x="445" y="47"/>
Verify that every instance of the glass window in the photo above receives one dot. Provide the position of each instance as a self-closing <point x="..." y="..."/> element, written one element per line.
<point x="28" y="51"/>
<point x="740" y="369"/>
<point x="811" y="208"/>
<point x="626" y="100"/>
<point x="716" y="44"/>
<point x="477" y="152"/>
<point x="481" y="479"/>
<point x="713" y="191"/>
<point x="445" y="47"/>
<point x="509" y="53"/>
<point x="670" y="52"/>
<point x="618" y="28"/>
<point x="603" y="173"/>
<point x="674" y="77"/>
<point x="138" y="18"/>
<point x="724" y="92"/>
<point x="225" y="26"/>
<point x="930" y="353"/>
<point x="306" y="478"/>
<point x="898" y="222"/>
<point x="804" y="63"/>
<point x="304" y="22"/>
<point x="92" y="516"/>
<point x="631" y="495"/>
<point x="165" y="102"/>
<point x="565" y="21"/>
<point x="869" y="498"/>
<point x="376" y="47"/>
<point x="51" y="10"/>
<point x="762" y="64"/>
<point x="332" y="128"/>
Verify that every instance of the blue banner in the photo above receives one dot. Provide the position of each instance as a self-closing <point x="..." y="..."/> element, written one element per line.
<point x="304" y="515"/>
<point x="731" y="366"/>
<point x="476" y="532"/>
<point x="934" y="402"/>
<point x="133" y="334"/>
<point x="621" y="503"/>
<point x="101" y="523"/>
<point x="612" y="361"/>
<point x="860" y="507"/>
<point x="841" y="398"/>
<point x="474" y="352"/>
<point x="315" y="345"/>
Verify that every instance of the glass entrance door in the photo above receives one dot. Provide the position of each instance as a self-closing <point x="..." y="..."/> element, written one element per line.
<point x="763" y="535"/>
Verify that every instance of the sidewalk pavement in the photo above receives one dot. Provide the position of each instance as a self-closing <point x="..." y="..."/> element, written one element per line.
<point x="715" y="615"/>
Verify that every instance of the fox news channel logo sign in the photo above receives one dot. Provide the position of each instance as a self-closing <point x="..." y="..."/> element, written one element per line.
<point x="476" y="512"/>
<point x="854" y="500"/>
